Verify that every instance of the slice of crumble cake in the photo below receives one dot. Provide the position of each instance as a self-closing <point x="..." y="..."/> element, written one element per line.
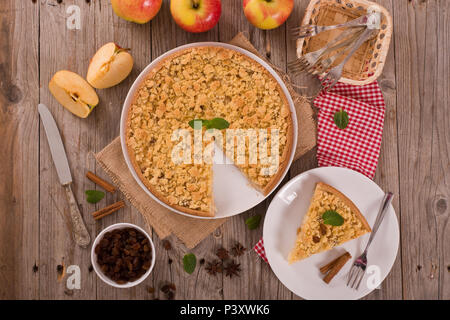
<point x="315" y="235"/>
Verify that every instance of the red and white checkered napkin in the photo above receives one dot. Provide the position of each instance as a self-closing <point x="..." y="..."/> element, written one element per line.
<point x="356" y="147"/>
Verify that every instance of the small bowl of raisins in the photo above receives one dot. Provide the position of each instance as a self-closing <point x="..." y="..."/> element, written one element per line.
<point x="123" y="255"/>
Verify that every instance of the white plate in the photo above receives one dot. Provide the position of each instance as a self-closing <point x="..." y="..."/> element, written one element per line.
<point x="285" y="215"/>
<point x="232" y="191"/>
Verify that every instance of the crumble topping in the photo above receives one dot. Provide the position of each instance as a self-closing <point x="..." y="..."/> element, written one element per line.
<point x="201" y="83"/>
<point x="315" y="236"/>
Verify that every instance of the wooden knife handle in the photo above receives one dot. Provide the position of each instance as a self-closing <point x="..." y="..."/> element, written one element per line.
<point x="80" y="233"/>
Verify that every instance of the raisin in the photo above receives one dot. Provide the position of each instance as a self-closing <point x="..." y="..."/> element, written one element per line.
<point x="124" y="255"/>
<point x="323" y="229"/>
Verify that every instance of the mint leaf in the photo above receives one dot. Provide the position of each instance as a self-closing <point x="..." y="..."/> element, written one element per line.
<point x="332" y="218"/>
<point x="189" y="263"/>
<point x="253" y="222"/>
<point x="341" y="119"/>
<point x="216" y="123"/>
<point x="94" y="196"/>
<point x="191" y="123"/>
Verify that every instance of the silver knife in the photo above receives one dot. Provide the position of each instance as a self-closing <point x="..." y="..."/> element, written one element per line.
<point x="80" y="234"/>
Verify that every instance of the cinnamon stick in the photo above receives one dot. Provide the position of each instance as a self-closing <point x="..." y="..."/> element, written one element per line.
<point x="106" y="211"/>
<point x="329" y="265"/>
<point x="102" y="183"/>
<point x="334" y="267"/>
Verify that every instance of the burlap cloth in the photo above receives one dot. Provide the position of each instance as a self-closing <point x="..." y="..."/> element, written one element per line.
<point x="190" y="230"/>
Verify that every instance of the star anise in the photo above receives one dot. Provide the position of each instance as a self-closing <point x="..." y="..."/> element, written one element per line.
<point x="232" y="269"/>
<point x="214" y="267"/>
<point x="222" y="253"/>
<point x="238" y="250"/>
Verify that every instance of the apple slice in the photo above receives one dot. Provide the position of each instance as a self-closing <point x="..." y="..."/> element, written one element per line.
<point x="73" y="92"/>
<point x="110" y="65"/>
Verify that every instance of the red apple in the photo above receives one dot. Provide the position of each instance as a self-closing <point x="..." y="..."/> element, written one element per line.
<point x="139" y="11"/>
<point x="267" y="14"/>
<point x="196" y="15"/>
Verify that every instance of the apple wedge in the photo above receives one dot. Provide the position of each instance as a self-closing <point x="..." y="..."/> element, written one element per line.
<point x="110" y="65"/>
<point x="73" y="92"/>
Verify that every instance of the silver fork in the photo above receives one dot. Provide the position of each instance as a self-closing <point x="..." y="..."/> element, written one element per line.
<point x="333" y="76"/>
<point x="309" y="60"/>
<point x="311" y="30"/>
<point x="358" y="269"/>
<point x="323" y="65"/>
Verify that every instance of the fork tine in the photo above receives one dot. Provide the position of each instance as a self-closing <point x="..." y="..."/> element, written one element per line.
<point x="360" y="279"/>
<point x="295" y="29"/>
<point x="350" y="274"/>
<point x="317" y="68"/>
<point x="301" y="35"/>
<point x="301" y="59"/>
<point x="295" y="62"/>
<point x="294" y="65"/>
<point x="301" y="28"/>
<point x="298" y="65"/>
<point x="356" y="278"/>
<point x="302" y="32"/>
<point x="297" y="68"/>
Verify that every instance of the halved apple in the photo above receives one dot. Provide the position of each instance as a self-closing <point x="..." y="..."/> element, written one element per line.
<point x="110" y="65"/>
<point x="73" y="92"/>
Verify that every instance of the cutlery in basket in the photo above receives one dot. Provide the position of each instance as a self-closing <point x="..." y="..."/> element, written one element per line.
<point x="311" y="62"/>
<point x="333" y="76"/>
<point x="311" y="30"/>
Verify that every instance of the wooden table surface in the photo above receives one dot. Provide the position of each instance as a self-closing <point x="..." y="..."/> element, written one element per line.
<point x="34" y="234"/>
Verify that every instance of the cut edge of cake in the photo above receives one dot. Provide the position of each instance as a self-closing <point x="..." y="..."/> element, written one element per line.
<point x="284" y="159"/>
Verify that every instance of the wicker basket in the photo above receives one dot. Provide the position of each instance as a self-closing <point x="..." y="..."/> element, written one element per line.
<point x="367" y="62"/>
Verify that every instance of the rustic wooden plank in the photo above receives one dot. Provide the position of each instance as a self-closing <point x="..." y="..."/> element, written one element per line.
<point x="386" y="175"/>
<point x="440" y="202"/>
<point x="422" y="67"/>
<point x="167" y="35"/>
<point x="256" y="281"/>
<point x="387" y="170"/>
<point x="307" y="85"/>
<point x="19" y="169"/>
<point x="110" y="28"/>
<point x="61" y="48"/>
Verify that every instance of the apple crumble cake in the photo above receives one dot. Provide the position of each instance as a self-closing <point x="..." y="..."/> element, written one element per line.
<point x="203" y="83"/>
<point x="315" y="235"/>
